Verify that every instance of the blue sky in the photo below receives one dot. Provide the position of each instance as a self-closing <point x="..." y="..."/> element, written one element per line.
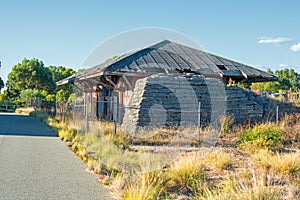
<point x="264" y="34"/>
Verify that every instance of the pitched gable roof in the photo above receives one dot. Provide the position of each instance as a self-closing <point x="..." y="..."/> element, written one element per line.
<point x="171" y="57"/>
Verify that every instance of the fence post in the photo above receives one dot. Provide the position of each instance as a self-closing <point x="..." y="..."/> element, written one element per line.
<point x="199" y="122"/>
<point x="115" y="114"/>
<point x="87" y="113"/>
<point x="74" y="110"/>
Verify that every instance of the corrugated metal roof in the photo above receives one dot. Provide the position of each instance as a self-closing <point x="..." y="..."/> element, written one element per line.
<point x="171" y="57"/>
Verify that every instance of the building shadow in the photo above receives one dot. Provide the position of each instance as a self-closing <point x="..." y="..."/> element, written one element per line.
<point x="12" y="124"/>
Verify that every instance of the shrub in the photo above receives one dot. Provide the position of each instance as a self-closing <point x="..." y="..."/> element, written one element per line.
<point x="67" y="134"/>
<point x="41" y="116"/>
<point x="261" y="135"/>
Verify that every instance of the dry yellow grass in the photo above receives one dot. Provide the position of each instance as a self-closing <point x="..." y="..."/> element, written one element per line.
<point x="25" y="111"/>
<point x="222" y="174"/>
<point x="219" y="159"/>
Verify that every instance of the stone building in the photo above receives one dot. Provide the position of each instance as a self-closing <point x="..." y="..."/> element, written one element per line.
<point x="169" y="84"/>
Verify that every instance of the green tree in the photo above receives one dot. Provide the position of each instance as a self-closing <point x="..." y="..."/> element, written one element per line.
<point x="59" y="73"/>
<point x="31" y="94"/>
<point x="1" y="84"/>
<point x="288" y="80"/>
<point x="50" y="98"/>
<point x="271" y="87"/>
<point x="29" y="74"/>
<point x="62" y="96"/>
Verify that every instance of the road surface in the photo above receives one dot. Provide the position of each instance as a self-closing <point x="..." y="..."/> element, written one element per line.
<point x="36" y="164"/>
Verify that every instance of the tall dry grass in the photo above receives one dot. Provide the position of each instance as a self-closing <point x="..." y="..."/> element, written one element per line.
<point x="220" y="175"/>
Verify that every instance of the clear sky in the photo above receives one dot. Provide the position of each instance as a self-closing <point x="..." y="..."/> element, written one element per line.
<point x="264" y="34"/>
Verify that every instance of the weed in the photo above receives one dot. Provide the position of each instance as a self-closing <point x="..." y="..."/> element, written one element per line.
<point x="291" y="125"/>
<point x="226" y="123"/>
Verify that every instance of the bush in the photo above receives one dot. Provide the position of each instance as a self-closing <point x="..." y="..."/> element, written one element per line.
<point x="41" y="116"/>
<point x="67" y="134"/>
<point x="262" y="135"/>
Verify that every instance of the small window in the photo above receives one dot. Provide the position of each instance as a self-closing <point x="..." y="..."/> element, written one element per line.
<point x="222" y="67"/>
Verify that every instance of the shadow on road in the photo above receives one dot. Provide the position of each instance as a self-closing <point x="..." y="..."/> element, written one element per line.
<point x="21" y="125"/>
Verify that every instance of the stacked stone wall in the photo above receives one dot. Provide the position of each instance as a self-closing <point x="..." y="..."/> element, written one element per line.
<point x="166" y="100"/>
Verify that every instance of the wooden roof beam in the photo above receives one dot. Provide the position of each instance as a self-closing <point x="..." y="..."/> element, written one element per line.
<point x="110" y="81"/>
<point x="127" y="82"/>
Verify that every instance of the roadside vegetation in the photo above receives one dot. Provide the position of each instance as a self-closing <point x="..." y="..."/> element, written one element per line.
<point x="260" y="161"/>
<point x="249" y="162"/>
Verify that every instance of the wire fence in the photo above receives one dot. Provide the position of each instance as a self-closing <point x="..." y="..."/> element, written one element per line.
<point x="87" y="113"/>
<point x="8" y="107"/>
<point x="86" y="109"/>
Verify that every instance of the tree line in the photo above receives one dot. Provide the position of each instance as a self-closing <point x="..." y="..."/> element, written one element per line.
<point x="288" y="81"/>
<point x="30" y="80"/>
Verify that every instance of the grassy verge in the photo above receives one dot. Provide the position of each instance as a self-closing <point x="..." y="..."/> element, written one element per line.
<point x="265" y="164"/>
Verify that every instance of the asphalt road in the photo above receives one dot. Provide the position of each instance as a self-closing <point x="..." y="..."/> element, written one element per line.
<point x="36" y="164"/>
